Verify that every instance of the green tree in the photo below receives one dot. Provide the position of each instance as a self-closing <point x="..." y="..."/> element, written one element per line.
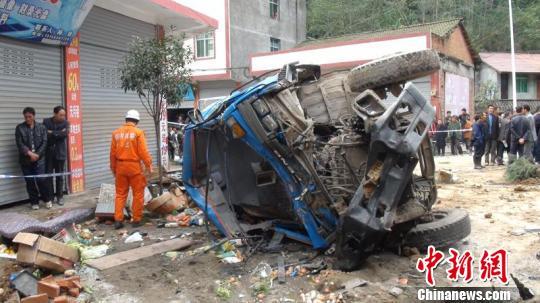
<point x="486" y="22"/>
<point x="486" y="94"/>
<point x="157" y="70"/>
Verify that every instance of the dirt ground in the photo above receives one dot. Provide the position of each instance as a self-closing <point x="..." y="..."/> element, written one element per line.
<point x="483" y="193"/>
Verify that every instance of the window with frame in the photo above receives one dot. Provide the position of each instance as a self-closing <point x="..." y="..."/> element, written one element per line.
<point x="275" y="44"/>
<point x="204" y="45"/>
<point x="274" y="9"/>
<point x="521" y="83"/>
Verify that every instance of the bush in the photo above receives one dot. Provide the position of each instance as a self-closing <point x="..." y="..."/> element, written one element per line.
<point x="521" y="169"/>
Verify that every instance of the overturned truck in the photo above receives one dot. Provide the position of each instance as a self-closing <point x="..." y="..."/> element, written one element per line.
<point x="327" y="160"/>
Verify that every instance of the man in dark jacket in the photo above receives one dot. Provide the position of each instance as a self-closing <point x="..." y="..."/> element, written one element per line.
<point x="464" y="117"/>
<point x="440" y="137"/>
<point x="519" y="134"/>
<point x="478" y="141"/>
<point x="492" y="135"/>
<point x="57" y="131"/>
<point x="31" y="139"/>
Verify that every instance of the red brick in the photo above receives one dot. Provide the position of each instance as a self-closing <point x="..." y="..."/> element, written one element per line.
<point x="74" y="292"/>
<point x="41" y="298"/>
<point x="64" y="299"/>
<point x="50" y="288"/>
<point x="71" y="282"/>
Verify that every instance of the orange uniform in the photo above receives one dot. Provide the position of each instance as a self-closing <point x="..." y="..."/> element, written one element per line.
<point x="128" y="150"/>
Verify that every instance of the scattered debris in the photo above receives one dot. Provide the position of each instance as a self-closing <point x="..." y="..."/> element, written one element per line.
<point x="45" y="253"/>
<point x="395" y="291"/>
<point x="223" y="290"/>
<point x="41" y="298"/>
<point x="25" y="283"/>
<point x="7" y="252"/>
<point x="135" y="237"/>
<point x="488" y="215"/>
<point x="410" y="252"/>
<point x="446" y="177"/>
<point x="351" y="284"/>
<point x="517" y="232"/>
<point x="532" y="229"/>
<point x="524" y="292"/>
<point x="138" y="253"/>
<point x="520" y="188"/>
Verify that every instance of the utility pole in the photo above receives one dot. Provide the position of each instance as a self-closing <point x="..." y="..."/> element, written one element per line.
<point x="512" y="56"/>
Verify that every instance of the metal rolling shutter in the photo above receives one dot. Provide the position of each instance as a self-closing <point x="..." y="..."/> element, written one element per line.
<point x="422" y="84"/>
<point x="30" y="75"/>
<point x="105" y="37"/>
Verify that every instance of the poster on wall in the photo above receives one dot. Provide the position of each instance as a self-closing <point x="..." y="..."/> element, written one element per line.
<point x="456" y="93"/>
<point x="47" y="21"/>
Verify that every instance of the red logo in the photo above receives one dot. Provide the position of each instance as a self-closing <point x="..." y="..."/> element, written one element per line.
<point x="492" y="266"/>
<point x="429" y="263"/>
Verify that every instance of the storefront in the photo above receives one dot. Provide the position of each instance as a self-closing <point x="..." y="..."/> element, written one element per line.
<point x="34" y="73"/>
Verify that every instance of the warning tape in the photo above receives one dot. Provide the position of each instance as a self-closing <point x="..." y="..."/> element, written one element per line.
<point x="35" y="176"/>
<point x="450" y="131"/>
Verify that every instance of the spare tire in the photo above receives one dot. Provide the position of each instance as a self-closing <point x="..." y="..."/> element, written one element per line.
<point x="393" y="69"/>
<point x="448" y="227"/>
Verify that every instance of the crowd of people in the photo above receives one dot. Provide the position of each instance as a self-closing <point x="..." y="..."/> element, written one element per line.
<point x="490" y="135"/>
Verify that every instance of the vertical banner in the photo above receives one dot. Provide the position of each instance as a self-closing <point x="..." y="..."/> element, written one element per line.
<point x="163" y="134"/>
<point x="73" y="104"/>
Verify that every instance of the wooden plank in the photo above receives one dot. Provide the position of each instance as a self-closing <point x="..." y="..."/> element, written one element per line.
<point x="137" y="254"/>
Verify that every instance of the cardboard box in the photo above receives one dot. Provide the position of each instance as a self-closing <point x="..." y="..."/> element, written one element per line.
<point x="45" y="253"/>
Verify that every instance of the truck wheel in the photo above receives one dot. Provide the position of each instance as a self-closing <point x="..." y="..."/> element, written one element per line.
<point x="448" y="227"/>
<point x="393" y="69"/>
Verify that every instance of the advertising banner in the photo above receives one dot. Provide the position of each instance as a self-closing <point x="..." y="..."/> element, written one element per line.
<point x="47" y="21"/>
<point x="73" y="103"/>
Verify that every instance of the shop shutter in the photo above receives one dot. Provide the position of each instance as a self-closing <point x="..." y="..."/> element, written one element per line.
<point x="105" y="37"/>
<point x="30" y="75"/>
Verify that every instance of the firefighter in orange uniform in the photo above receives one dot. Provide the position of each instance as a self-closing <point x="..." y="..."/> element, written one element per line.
<point x="128" y="150"/>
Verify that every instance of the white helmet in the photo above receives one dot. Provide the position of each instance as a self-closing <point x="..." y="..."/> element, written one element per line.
<point x="133" y="114"/>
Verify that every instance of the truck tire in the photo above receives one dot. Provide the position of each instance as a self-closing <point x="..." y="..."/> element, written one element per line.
<point x="393" y="69"/>
<point x="448" y="227"/>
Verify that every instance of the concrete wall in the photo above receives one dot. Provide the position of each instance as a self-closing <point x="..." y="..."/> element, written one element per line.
<point x="488" y="73"/>
<point x="212" y="89"/>
<point x="251" y="28"/>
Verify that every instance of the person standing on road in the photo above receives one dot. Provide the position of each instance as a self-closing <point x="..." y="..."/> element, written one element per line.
<point x="519" y="134"/>
<point x="440" y="137"/>
<point x="454" y="130"/>
<point x="502" y="141"/>
<point x="529" y="145"/>
<point x="537" y="144"/>
<point x="128" y="150"/>
<point x="31" y="139"/>
<point x="467" y="134"/>
<point x="57" y="131"/>
<point x="478" y="141"/>
<point x="492" y="135"/>
<point x="464" y="117"/>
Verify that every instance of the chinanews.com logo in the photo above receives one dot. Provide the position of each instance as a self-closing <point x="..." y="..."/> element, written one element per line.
<point x="492" y="266"/>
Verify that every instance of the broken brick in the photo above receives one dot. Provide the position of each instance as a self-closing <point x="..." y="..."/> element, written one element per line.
<point x="41" y="298"/>
<point x="64" y="299"/>
<point x="48" y="287"/>
<point x="71" y="282"/>
<point x="74" y="292"/>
